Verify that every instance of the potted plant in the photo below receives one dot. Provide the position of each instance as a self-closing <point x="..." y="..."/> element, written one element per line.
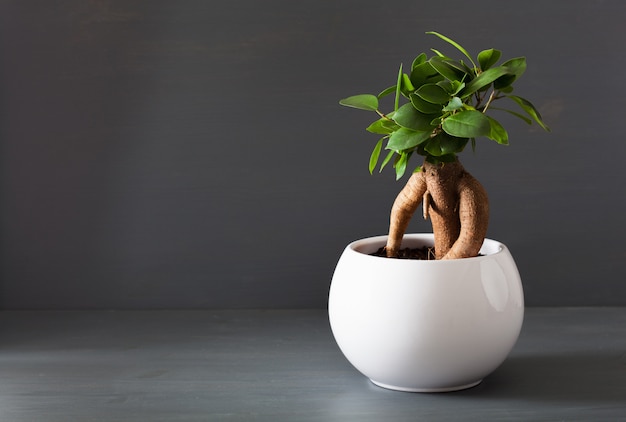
<point x="445" y="321"/>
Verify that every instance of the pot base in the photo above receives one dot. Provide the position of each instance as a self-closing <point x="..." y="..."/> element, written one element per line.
<point x="426" y="390"/>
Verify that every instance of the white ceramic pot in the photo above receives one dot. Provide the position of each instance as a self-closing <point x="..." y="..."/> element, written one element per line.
<point x="425" y="326"/>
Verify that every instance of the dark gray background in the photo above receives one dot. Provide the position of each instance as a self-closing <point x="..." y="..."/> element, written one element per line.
<point x="192" y="154"/>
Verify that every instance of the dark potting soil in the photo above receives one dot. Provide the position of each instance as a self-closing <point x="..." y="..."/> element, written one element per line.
<point x="425" y="253"/>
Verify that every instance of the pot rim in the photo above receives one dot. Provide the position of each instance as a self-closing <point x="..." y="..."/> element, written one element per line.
<point x="368" y="245"/>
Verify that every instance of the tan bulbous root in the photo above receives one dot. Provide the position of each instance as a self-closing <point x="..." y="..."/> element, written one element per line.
<point x="456" y="204"/>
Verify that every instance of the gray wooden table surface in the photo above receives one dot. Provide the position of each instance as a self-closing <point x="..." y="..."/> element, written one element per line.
<point x="568" y="365"/>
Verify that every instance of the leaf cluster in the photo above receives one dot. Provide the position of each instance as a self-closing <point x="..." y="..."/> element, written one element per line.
<point x="444" y="106"/>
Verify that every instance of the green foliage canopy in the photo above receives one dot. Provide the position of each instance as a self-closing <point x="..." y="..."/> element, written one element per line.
<point x="446" y="104"/>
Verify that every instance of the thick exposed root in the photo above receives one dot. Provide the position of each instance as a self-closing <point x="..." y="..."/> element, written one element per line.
<point x="456" y="204"/>
<point x="403" y="208"/>
<point x="474" y="218"/>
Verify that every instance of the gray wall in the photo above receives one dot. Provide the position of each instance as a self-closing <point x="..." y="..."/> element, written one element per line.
<point x="192" y="154"/>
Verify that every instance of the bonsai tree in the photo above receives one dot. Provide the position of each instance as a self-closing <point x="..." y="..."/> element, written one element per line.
<point x="447" y="105"/>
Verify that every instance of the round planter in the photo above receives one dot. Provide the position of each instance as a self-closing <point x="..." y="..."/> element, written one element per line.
<point x="425" y="326"/>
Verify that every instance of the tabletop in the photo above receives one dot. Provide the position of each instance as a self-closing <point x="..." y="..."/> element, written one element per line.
<point x="569" y="364"/>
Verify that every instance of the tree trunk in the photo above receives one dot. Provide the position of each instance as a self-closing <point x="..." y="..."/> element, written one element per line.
<point x="456" y="204"/>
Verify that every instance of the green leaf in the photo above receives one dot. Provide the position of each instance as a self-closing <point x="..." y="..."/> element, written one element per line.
<point x="452" y="87"/>
<point x="484" y="79"/>
<point x="407" y="86"/>
<point x="367" y="102"/>
<point x="398" y="88"/>
<point x="382" y="126"/>
<point x="386" y="160"/>
<point x="400" y="165"/>
<point x="455" y="44"/>
<point x="403" y="139"/>
<point x="375" y="155"/>
<point x="467" y="124"/>
<point x="446" y="85"/>
<point x="516" y="67"/>
<point x="407" y="116"/>
<point x="439" y="54"/>
<point x="438" y="120"/>
<point x="488" y="58"/>
<point x="424" y="73"/>
<point x="433" y="93"/>
<point x="524" y="118"/>
<point x="387" y="91"/>
<point x="424" y="106"/>
<point x="504" y="82"/>
<point x="448" y="69"/>
<point x="498" y="133"/>
<point x="530" y="109"/>
<point x="444" y="144"/>
<point x="418" y="60"/>
<point x="454" y="104"/>
<point x="447" y="158"/>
